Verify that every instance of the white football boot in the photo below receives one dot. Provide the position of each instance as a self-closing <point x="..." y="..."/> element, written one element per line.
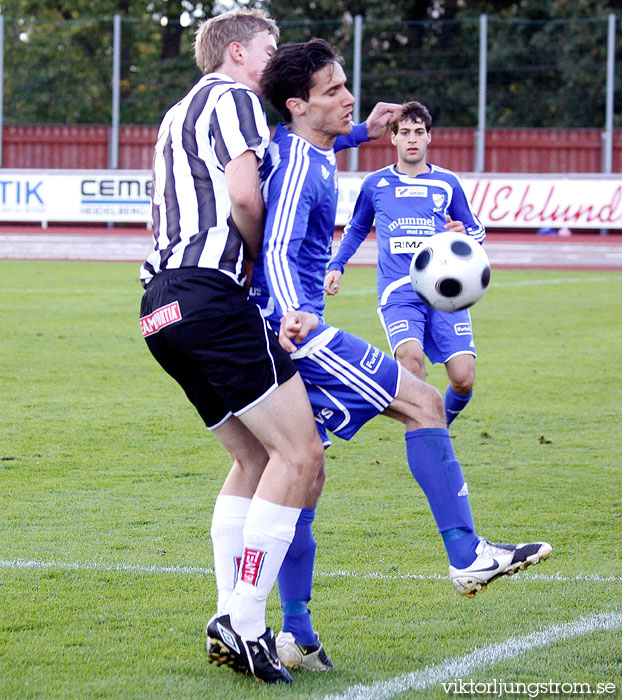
<point x="309" y="657"/>
<point x="494" y="560"/>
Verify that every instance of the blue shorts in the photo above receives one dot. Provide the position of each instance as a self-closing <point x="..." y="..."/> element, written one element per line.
<point x="349" y="382"/>
<point x="441" y="334"/>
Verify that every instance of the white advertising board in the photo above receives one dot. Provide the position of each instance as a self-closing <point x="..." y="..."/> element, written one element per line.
<point x="526" y="201"/>
<point x="75" y="195"/>
<point x="500" y="201"/>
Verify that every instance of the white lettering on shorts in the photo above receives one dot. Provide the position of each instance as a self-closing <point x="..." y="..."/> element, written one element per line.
<point x="372" y="360"/>
<point x="164" y="316"/>
<point x="397" y="327"/>
<point x="324" y="415"/>
<point x="462" y="328"/>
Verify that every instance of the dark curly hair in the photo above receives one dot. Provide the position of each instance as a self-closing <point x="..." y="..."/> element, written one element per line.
<point x="413" y="111"/>
<point x="289" y="72"/>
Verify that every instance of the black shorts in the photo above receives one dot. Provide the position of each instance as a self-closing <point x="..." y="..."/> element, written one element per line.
<point x="201" y="328"/>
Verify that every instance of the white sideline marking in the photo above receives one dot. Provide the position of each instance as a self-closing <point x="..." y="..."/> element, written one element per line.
<point x="438" y="577"/>
<point x="94" y="566"/>
<point x="479" y="658"/>
<point x="207" y="571"/>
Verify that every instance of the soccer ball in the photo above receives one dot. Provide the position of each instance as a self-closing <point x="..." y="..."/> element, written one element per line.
<point x="450" y="272"/>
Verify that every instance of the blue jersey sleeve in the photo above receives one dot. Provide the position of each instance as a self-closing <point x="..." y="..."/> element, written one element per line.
<point x="460" y="210"/>
<point x="287" y="219"/>
<point x="356" y="229"/>
<point x="355" y="138"/>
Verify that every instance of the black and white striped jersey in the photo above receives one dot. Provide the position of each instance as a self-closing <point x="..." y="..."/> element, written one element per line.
<point x="214" y="123"/>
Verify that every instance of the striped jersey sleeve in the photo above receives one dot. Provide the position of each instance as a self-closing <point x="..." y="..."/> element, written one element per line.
<point x="233" y="127"/>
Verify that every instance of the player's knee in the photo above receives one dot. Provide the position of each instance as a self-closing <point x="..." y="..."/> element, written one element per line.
<point x="412" y="363"/>
<point x="462" y="382"/>
<point x="463" y="386"/>
<point x="308" y="460"/>
<point x="249" y="464"/>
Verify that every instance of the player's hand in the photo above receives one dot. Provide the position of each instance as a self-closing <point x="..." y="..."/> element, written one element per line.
<point x="456" y="226"/>
<point x="383" y="114"/>
<point x="331" y="282"/>
<point x="296" y="325"/>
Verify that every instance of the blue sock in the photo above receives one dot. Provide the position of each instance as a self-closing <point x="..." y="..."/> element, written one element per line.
<point x="432" y="462"/>
<point x="296" y="579"/>
<point x="454" y="403"/>
<point x="460" y="545"/>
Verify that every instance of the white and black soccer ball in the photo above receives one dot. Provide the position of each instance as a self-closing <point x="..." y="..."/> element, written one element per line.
<point x="450" y="272"/>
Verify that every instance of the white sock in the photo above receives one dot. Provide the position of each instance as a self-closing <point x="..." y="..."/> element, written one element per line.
<point x="268" y="532"/>
<point x="228" y="543"/>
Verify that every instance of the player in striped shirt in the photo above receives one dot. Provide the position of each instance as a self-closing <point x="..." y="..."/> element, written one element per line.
<point x="348" y="380"/>
<point x="410" y="201"/>
<point x="198" y="323"/>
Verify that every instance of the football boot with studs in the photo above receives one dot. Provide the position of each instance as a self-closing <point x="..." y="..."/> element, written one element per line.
<point x="495" y="560"/>
<point x="257" y="658"/>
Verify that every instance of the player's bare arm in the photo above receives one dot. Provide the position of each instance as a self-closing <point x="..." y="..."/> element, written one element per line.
<point x="383" y="114"/>
<point x="331" y="282"/>
<point x="455" y="226"/>
<point x="247" y="207"/>
<point x="296" y="325"/>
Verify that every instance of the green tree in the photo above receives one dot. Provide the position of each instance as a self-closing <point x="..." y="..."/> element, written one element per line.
<point x="546" y="58"/>
<point x="58" y="59"/>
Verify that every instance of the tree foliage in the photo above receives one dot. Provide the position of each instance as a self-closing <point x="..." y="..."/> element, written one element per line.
<point x="546" y="58"/>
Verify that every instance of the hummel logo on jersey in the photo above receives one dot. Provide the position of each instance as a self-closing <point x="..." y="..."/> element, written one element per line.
<point x="382" y="182"/>
<point x="464" y="491"/>
<point x="228" y="638"/>
<point x="325" y="172"/>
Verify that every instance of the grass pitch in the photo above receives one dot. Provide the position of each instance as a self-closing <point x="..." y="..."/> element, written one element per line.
<point x="107" y="481"/>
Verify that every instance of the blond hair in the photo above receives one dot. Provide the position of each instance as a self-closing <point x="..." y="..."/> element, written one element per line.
<point x="214" y="35"/>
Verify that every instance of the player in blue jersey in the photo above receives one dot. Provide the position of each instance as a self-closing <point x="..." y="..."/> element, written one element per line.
<point x="348" y="380"/>
<point x="410" y="201"/>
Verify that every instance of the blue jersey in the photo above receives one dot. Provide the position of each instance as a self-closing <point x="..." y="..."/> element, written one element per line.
<point x="348" y="380"/>
<point x="299" y="185"/>
<point x="407" y="210"/>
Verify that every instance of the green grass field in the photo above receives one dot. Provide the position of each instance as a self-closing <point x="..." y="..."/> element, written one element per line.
<point x="107" y="481"/>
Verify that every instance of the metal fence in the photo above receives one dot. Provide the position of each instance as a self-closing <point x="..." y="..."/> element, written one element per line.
<point x="483" y="72"/>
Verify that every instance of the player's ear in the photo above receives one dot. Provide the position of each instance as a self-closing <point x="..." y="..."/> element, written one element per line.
<point x="296" y="106"/>
<point x="235" y="51"/>
<point x="393" y="138"/>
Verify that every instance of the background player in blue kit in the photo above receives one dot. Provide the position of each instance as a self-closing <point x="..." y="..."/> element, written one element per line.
<point x="410" y="201"/>
<point x="348" y="380"/>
